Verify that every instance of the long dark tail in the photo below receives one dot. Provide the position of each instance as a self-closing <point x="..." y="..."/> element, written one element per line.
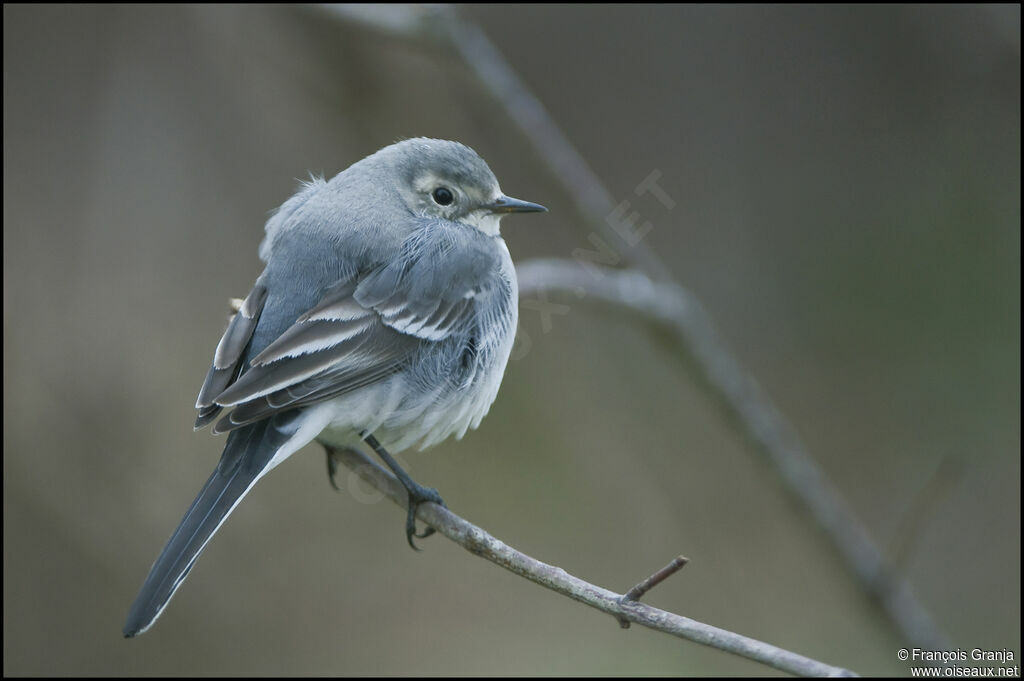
<point x="246" y="455"/>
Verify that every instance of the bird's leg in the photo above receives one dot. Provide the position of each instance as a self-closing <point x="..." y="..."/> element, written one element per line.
<point x="417" y="492"/>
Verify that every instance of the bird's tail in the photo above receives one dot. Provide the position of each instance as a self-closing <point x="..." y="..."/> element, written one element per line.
<point x="247" y="455"/>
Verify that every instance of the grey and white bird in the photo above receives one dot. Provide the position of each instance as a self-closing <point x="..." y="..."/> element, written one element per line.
<point x="385" y="314"/>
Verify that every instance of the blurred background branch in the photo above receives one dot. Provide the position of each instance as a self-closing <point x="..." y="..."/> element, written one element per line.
<point x="678" y="309"/>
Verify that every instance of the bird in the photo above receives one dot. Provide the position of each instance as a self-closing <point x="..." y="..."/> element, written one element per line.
<point x="385" y="315"/>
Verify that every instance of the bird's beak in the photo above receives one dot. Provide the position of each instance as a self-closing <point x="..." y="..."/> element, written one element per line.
<point x="506" y="204"/>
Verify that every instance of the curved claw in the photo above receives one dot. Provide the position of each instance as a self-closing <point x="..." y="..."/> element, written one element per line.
<point x="410" y="527"/>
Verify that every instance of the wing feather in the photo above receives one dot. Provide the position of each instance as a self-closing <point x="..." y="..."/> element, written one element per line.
<point x="362" y="329"/>
<point x="227" y="359"/>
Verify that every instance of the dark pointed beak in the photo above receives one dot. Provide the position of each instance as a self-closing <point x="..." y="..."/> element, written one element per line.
<point x="506" y="204"/>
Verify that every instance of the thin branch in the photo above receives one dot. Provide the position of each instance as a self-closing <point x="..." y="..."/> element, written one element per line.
<point x="480" y="543"/>
<point x="680" y="311"/>
<point x="672" y="304"/>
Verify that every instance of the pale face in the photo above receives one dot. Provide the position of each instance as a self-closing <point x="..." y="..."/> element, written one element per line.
<point x="436" y="195"/>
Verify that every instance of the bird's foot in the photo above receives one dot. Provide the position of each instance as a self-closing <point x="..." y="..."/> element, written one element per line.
<point x="419" y="494"/>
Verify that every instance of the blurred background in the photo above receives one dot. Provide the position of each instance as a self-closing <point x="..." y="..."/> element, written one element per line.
<point x="846" y="183"/>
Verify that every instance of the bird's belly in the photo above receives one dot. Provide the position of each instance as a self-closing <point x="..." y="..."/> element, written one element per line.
<point x="402" y="412"/>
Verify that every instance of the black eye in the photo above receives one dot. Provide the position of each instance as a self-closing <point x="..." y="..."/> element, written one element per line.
<point x="443" y="196"/>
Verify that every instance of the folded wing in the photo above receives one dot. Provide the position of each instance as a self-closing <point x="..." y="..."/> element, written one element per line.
<point x="363" y="329"/>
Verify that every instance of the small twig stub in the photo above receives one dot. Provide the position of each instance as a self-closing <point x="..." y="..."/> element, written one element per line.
<point x="638" y="591"/>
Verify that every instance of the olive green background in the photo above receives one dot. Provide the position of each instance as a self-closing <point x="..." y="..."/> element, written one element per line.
<point x="847" y="207"/>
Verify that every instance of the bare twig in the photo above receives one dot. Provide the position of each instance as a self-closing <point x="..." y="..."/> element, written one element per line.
<point x="638" y="591"/>
<point x="477" y="541"/>
<point x="671" y="303"/>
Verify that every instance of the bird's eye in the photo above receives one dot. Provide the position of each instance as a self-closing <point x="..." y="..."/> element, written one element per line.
<point x="443" y="196"/>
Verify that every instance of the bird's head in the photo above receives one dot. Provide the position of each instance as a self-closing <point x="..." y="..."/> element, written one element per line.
<point x="448" y="180"/>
